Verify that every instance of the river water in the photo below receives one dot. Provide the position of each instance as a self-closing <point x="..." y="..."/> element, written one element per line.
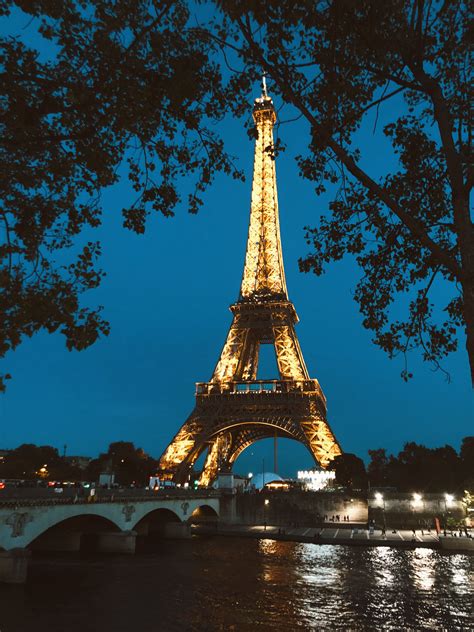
<point x="214" y="584"/>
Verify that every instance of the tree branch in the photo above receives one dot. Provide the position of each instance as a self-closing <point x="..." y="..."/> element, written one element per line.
<point x="444" y="122"/>
<point x="147" y="29"/>
<point x="416" y="228"/>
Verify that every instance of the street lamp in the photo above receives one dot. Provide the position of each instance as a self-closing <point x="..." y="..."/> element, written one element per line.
<point x="417" y="502"/>
<point x="381" y="500"/>
<point x="265" y="503"/>
<point x="448" y="499"/>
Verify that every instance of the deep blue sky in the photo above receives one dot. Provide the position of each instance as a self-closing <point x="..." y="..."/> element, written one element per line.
<point x="167" y="294"/>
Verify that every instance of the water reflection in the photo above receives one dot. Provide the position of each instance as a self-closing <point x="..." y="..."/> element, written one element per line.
<point x="384" y="565"/>
<point x="245" y="585"/>
<point x="460" y="574"/>
<point x="422" y="563"/>
<point x="336" y="587"/>
<point x="317" y="565"/>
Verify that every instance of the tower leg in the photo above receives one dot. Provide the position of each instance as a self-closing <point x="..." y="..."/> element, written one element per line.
<point x="322" y="442"/>
<point x="275" y="453"/>
<point x="217" y="458"/>
<point x="182" y="452"/>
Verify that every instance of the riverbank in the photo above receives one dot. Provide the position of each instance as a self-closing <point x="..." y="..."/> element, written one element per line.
<point x="351" y="535"/>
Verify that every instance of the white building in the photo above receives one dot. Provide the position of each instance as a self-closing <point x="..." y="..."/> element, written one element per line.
<point x="314" y="480"/>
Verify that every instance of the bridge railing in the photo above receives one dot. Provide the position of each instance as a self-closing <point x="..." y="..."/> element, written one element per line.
<point x="102" y="496"/>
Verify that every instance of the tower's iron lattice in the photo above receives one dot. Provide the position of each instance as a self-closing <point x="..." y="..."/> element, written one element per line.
<point x="234" y="409"/>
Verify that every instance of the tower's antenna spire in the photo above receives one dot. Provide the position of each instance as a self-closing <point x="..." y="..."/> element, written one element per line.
<point x="264" y="86"/>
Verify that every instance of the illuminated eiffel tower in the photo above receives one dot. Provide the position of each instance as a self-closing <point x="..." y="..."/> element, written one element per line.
<point x="234" y="409"/>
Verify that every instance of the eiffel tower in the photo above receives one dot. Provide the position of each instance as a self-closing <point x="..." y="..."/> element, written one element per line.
<point x="234" y="409"/>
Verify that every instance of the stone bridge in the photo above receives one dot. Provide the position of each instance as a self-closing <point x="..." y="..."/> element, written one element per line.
<point x="109" y="525"/>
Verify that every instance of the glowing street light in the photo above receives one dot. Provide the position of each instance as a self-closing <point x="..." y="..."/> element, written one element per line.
<point x="381" y="501"/>
<point x="418" y="503"/>
<point x="448" y="500"/>
<point x="265" y="503"/>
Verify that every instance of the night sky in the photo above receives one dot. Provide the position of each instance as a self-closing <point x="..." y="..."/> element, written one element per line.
<point x="167" y="294"/>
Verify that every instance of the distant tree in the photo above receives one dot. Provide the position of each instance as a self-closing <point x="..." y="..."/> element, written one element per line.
<point x="89" y="87"/>
<point x="444" y="470"/>
<point x="418" y="468"/>
<point x="338" y="64"/>
<point x="95" y="467"/>
<point x="377" y="470"/>
<point x="29" y="462"/>
<point x="350" y="471"/>
<point x="26" y="461"/>
<point x="409" y="469"/>
<point x="129" y="464"/>
<point x="467" y="463"/>
<point x="64" y="471"/>
<point x="120" y="450"/>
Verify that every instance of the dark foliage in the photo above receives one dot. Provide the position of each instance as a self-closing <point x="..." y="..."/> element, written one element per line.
<point x="131" y="466"/>
<point x="338" y="64"/>
<point x="122" y="84"/>
<point x="417" y="468"/>
<point x="139" y="83"/>
<point x="30" y="462"/>
<point x="350" y="471"/>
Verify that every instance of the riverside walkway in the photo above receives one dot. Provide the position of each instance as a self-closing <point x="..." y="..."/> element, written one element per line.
<point x="353" y="535"/>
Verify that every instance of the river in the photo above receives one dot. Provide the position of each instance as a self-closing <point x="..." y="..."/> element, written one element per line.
<point x="214" y="584"/>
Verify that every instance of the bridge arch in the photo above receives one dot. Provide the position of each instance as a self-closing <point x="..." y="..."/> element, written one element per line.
<point x="154" y="521"/>
<point x="203" y="514"/>
<point x="24" y="524"/>
<point x="68" y="533"/>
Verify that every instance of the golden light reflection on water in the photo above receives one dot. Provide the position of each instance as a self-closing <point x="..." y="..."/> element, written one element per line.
<point x="268" y="547"/>
<point x="317" y="564"/>
<point x="383" y="560"/>
<point x="460" y="575"/>
<point x="274" y="552"/>
<point x="422" y="564"/>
